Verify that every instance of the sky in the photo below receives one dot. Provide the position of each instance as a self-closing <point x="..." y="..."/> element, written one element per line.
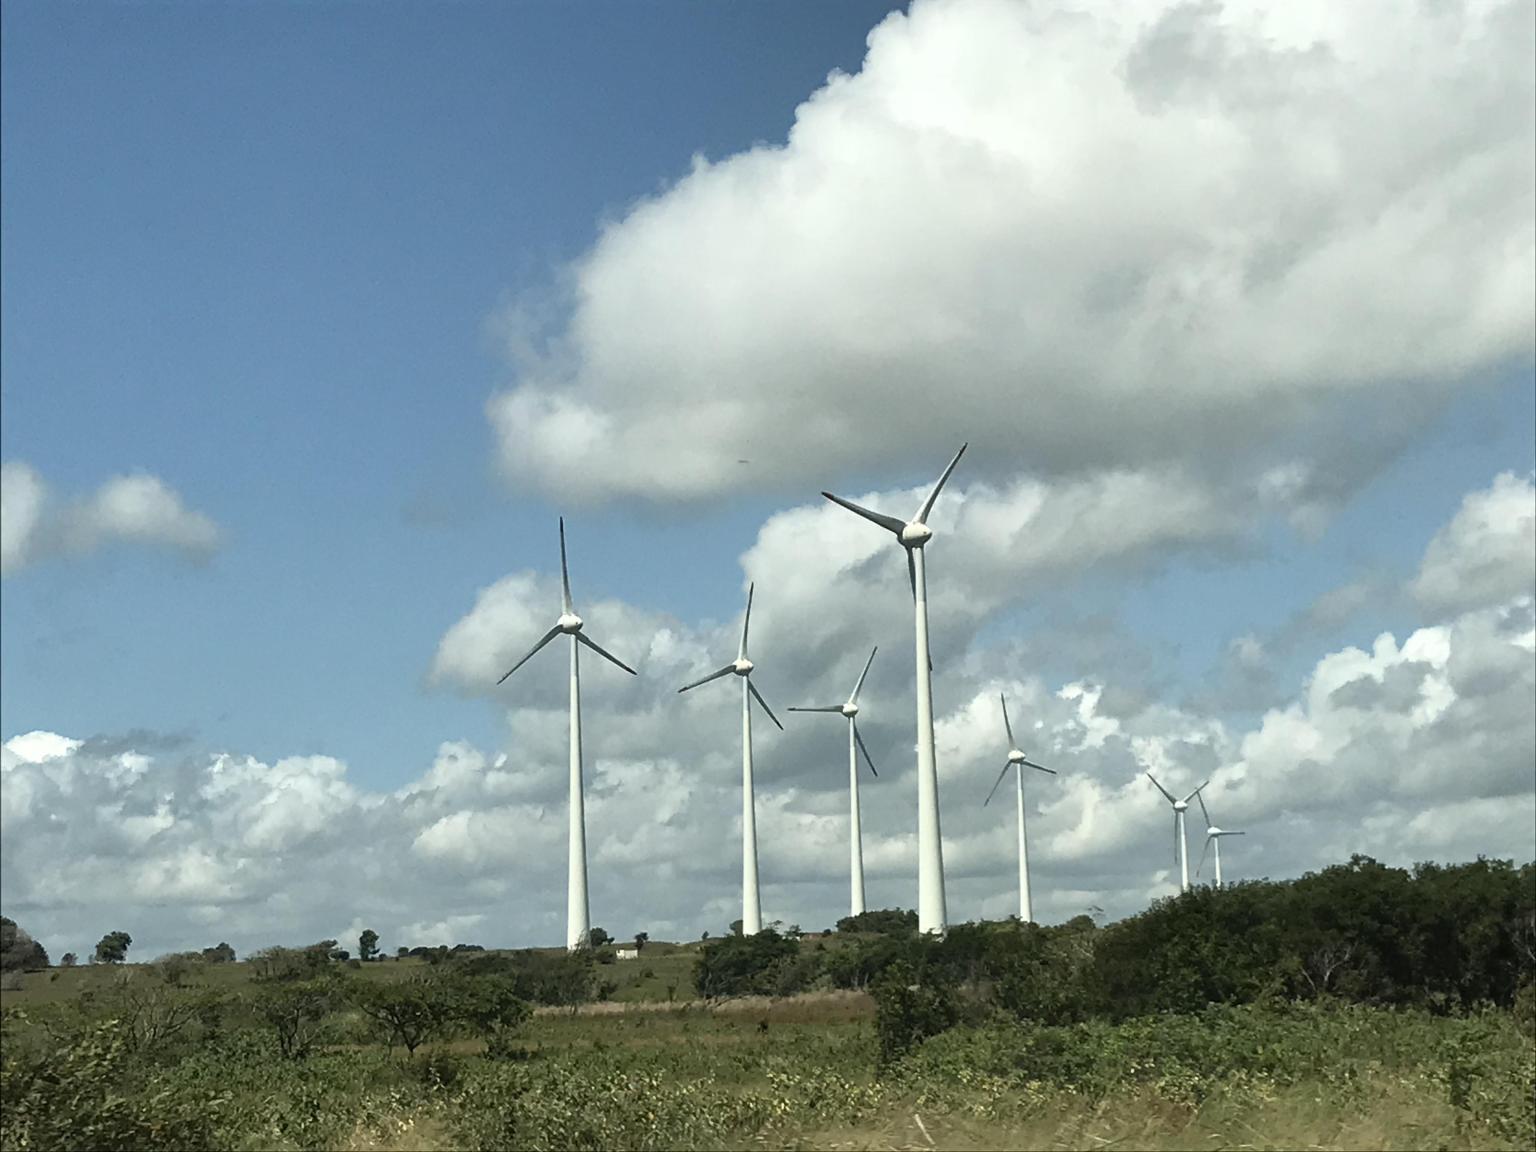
<point x="315" y="319"/>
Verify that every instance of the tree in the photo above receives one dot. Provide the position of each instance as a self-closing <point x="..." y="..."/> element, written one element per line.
<point x="640" y="940"/>
<point x="897" y="921"/>
<point x="295" y="1010"/>
<point x="220" y="953"/>
<point x="410" y="1011"/>
<point x="743" y="965"/>
<point x="367" y="945"/>
<point x="113" y="948"/>
<point x="68" y="960"/>
<point x="491" y="1008"/>
<point x="18" y="951"/>
<point x="598" y="937"/>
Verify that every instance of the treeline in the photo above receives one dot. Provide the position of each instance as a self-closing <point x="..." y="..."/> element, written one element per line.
<point x="1443" y="938"/>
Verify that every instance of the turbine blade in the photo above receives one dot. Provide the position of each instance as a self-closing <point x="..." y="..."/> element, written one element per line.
<point x="832" y="708"/>
<point x="854" y="699"/>
<point x="603" y="652"/>
<point x="758" y="696"/>
<point x="746" y="622"/>
<point x="565" y="575"/>
<point x="1206" y="816"/>
<point x="1203" y="851"/>
<point x="922" y="515"/>
<point x="868" y="759"/>
<point x="889" y="523"/>
<point x="1161" y="789"/>
<point x="547" y="637"/>
<point x="1195" y="793"/>
<point x="726" y="671"/>
<point x="1006" y="724"/>
<point x="1039" y="767"/>
<point x="1225" y="832"/>
<point x="995" y="787"/>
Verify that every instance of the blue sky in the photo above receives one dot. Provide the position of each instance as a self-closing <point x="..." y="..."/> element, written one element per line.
<point x="274" y="256"/>
<point x="254" y="250"/>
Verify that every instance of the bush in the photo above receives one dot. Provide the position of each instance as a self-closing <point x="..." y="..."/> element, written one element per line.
<point x="908" y="1012"/>
<point x="742" y="965"/>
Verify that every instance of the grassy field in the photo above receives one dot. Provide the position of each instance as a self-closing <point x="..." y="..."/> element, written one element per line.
<point x="650" y="1067"/>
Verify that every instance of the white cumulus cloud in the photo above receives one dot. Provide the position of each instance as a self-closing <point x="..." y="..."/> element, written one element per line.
<point x="1256" y="240"/>
<point x="137" y="508"/>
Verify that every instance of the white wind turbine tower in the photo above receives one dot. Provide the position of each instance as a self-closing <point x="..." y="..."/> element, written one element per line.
<point x="913" y="534"/>
<point x="751" y="910"/>
<point x="1180" y="848"/>
<point x="1017" y="759"/>
<point x="577" y="918"/>
<point x="855" y="746"/>
<point x="1213" y="836"/>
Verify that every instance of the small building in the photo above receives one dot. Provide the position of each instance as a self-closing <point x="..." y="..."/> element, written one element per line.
<point x="627" y="953"/>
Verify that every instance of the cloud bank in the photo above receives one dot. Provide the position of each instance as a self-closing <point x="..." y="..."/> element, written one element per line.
<point x="1406" y="749"/>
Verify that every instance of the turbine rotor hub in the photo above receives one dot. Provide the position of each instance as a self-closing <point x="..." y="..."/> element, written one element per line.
<point x="850" y="710"/>
<point x="569" y="623"/>
<point x="1180" y="806"/>
<point x="1015" y="756"/>
<point x="742" y="667"/>
<point x="916" y="534"/>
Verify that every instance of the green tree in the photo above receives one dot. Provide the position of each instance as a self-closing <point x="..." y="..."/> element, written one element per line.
<point x="409" y="1011"/>
<point x="597" y="937"/>
<point x="18" y="951"/>
<point x="742" y="965"/>
<point x="295" y="1010"/>
<point x="367" y="945"/>
<point x="893" y="921"/>
<point x="220" y="953"/>
<point x="68" y="960"/>
<point x="490" y="1007"/>
<point x="113" y="948"/>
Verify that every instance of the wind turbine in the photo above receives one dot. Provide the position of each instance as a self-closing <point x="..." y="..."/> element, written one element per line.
<point x="913" y="535"/>
<point x="855" y="746"/>
<point x="751" y="911"/>
<point x="578" y="923"/>
<point x="1017" y="759"/>
<point x="1180" y="848"/>
<point x="1213" y="835"/>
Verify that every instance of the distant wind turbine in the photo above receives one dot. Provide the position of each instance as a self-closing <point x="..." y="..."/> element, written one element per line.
<point x="1213" y="836"/>
<point x="850" y="709"/>
<point x="932" y="916"/>
<point x="1180" y="848"/>
<point x="577" y="916"/>
<point x="1017" y="759"/>
<point x="751" y="910"/>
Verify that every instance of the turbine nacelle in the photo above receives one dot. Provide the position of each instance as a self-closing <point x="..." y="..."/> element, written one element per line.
<point x="1016" y="757"/>
<point x="850" y="709"/>
<point x="914" y="534"/>
<point x="569" y="623"/>
<point x="742" y="666"/>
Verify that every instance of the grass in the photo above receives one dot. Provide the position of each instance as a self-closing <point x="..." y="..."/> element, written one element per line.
<point x="801" y="1072"/>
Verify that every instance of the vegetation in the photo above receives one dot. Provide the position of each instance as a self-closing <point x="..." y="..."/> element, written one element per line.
<point x="18" y="951"/>
<point x="1358" y="1007"/>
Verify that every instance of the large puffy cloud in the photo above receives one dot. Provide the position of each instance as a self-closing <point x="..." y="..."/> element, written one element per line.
<point x="136" y="508"/>
<point x="1248" y="238"/>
